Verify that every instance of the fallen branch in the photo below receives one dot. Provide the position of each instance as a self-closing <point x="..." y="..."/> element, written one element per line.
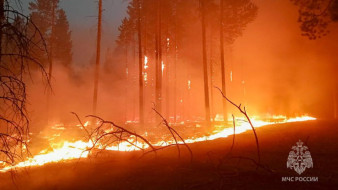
<point x="98" y="135"/>
<point x="173" y="132"/>
<point x="101" y="137"/>
<point x="243" y="111"/>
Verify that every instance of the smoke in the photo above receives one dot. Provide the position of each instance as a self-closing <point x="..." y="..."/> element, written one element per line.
<point x="271" y="70"/>
<point x="285" y="72"/>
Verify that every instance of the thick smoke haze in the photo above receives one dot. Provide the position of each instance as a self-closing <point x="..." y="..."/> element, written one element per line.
<point x="271" y="70"/>
<point x="286" y="72"/>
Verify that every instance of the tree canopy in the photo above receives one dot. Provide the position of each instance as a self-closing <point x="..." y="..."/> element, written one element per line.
<point x="315" y="16"/>
<point x="54" y="28"/>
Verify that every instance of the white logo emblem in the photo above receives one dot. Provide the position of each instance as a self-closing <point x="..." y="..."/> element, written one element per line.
<point x="299" y="158"/>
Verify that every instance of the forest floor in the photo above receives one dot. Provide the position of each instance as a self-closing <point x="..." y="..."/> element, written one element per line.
<point x="126" y="170"/>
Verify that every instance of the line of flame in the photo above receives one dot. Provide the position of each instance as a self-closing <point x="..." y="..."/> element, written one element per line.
<point x="75" y="150"/>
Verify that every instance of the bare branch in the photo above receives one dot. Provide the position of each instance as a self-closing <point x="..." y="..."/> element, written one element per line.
<point x="243" y="111"/>
<point x="173" y="132"/>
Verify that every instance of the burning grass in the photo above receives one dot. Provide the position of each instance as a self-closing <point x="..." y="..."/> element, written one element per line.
<point x="65" y="147"/>
<point x="123" y="170"/>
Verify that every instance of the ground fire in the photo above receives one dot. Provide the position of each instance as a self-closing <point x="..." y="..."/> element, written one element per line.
<point x="168" y="94"/>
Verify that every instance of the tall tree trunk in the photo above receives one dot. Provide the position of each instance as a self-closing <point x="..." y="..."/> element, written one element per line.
<point x="126" y="98"/>
<point x="140" y="61"/>
<point x="98" y="52"/>
<point x="205" y="66"/>
<point x="175" y="65"/>
<point x="225" y="115"/>
<point x="2" y="19"/>
<point x="158" y="60"/>
<point x="51" y="55"/>
<point x="212" y="113"/>
<point x="134" y="80"/>
<point x="167" y="77"/>
<point x="51" y="42"/>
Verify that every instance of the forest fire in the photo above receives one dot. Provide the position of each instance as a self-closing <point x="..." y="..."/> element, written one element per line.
<point x="80" y="149"/>
<point x="151" y="94"/>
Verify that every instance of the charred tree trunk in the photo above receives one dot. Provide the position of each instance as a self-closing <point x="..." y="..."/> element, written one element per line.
<point x="51" y="54"/>
<point x="134" y="80"/>
<point x="212" y="113"/>
<point x="225" y="115"/>
<point x="205" y="65"/>
<point x="140" y="61"/>
<point x="2" y="19"/>
<point x="158" y="95"/>
<point x="127" y="80"/>
<point x="98" y="52"/>
<point x="51" y="42"/>
<point x="167" y="78"/>
<point x="175" y="64"/>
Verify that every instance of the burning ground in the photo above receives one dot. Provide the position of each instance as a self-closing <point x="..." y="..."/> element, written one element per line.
<point x="181" y="94"/>
<point x="74" y="142"/>
<point x="126" y="170"/>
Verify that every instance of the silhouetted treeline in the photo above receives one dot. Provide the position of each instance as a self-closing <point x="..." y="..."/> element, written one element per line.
<point x="171" y="35"/>
<point x="53" y="25"/>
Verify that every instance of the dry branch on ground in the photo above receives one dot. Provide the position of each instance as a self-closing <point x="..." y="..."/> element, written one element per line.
<point x="107" y="133"/>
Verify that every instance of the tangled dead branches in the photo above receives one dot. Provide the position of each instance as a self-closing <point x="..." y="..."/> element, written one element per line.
<point x="174" y="133"/>
<point x="18" y="36"/>
<point x="107" y="134"/>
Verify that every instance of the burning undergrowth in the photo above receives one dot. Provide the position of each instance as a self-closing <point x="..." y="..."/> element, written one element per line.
<point x="61" y="142"/>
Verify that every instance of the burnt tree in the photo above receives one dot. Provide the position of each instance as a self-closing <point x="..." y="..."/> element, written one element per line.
<point x="16" y="54"/>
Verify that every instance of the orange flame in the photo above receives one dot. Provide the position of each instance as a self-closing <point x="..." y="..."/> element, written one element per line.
<point x="79" y="149"/>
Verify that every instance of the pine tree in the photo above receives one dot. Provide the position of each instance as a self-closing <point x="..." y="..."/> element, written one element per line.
<point x="167" y="19"/>
<point x="234" y="17"/>
<point x="53" y="24"/>
<point x="63" y="41"/>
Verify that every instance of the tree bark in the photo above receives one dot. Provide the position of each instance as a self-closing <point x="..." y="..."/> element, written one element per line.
<point x="134" y="79"/>
<point x="158" y="60"/>
<point x="205" y="66"/>
<point x="2" y="19"/>
<point x="175" y="65"/>
<point x="212" y="111"/>
<point x="140" y="57"/>
<point x="51" y="55"/>
<point x="225" y="115"/>
<point x="98" y="52"/>
<point x="126" y="98"/>
<point x="167" y="77"/>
